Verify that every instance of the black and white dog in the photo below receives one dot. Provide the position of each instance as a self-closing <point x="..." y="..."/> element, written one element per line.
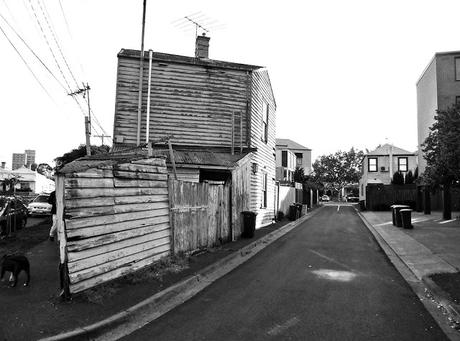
<point x="15" y="264"/>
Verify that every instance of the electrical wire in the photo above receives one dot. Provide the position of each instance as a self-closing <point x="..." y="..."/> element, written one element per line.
<point x="27" y="65"/>
<point x="49" y="46"/>
<point x="71" y="37"/>
<point x="50" y="27"/>
<point x="32" y="51"/>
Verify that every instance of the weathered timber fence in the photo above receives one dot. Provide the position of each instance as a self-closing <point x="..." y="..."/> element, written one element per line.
<point x="380" y="197"/>
<point x="115" y="219"/>
<point x="200" y="215"/>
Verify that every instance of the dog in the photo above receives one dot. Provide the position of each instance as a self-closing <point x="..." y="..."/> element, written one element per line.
<point x="15" y="264"/>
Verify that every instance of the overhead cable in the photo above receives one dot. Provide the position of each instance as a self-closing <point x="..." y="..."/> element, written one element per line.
<point x="32" y="51"/>
<point x="27" y="65"/>
<point x="49" y="46"/>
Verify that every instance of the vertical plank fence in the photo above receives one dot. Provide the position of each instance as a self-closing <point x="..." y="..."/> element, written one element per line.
<point x="200" y="215"/>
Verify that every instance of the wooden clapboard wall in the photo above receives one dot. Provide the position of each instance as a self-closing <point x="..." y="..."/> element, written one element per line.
<point x="264" y="157"/>
<point x="241" y="184"/>
<point x="200" y="215"/>
<point x="116" y="220"/>
<point x="193" y="102"/>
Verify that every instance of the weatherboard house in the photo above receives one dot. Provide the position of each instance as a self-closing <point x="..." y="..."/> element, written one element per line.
<point x="219" y="118"/>
<point x="379" y="165"/>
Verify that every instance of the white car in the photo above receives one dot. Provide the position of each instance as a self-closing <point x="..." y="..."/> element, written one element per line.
<point x="325" y="198"/>
<point x="39" y="206"/>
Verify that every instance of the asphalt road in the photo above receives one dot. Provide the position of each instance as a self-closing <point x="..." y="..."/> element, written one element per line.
<point x="325" y="280"/>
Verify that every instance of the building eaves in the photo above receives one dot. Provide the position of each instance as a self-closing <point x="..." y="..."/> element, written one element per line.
<point x="289" y="144"/>
<point x="172" y="58"/>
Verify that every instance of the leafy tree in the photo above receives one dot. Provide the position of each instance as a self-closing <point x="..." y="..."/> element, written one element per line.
<point x="45" y="169"/>
<point x="299" y="174"/>
<point x="33" y="167"/>
<point x="409" y="178"/>
<point x="339" y="169"/>
<point x="442" y="149"/>
<point x="398" y="179"/>
<point x="442" y="153"/>
<point x="78" y="153"/>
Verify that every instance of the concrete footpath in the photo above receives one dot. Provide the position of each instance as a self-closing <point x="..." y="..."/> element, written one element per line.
<point x="431" y="247"/>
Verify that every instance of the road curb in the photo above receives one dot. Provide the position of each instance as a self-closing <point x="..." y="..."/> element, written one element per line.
<point x="131" y="319"/>
<point x="439" y="296"/>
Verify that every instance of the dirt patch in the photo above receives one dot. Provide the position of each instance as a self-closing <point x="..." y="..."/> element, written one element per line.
<point x="156" y="275"/>
<point x="450" y="283"/>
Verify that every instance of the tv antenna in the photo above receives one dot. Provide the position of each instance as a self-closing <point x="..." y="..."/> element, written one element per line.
<point x="199" y="21"/>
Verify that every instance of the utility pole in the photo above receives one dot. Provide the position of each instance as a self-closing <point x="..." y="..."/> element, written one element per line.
<point x="141" y="76"/>
<point x="85" y="92"/>
<point x="102" y="137"/>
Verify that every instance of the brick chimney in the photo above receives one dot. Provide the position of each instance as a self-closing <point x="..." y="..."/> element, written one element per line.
<point x="202" y="46"/>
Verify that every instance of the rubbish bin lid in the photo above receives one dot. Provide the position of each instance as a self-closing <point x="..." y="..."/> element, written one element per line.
<point x="406" y="210"/>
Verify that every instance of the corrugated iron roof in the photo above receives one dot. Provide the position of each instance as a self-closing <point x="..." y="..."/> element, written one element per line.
<point x="181" y="157"/>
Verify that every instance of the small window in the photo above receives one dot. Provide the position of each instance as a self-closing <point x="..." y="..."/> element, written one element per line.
<point x="373" y="166"/>
<point x="457" y="68"/>
<point x="299" y="159"/>
<point x="402" y="164"/>
<point x="284" y="161"/>
<point x="264" y="191"/>
<point x="264" y="122"/>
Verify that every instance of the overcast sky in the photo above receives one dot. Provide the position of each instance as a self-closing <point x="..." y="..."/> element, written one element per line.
<point x="343" y="72"/>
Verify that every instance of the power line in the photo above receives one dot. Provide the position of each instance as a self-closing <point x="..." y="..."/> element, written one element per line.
<point x="45" y="15"/>
<point x="49" y="46"/>
<point x="28" y="67"/>
<point x="32" y="51"/>
<point x="71" y="37"/>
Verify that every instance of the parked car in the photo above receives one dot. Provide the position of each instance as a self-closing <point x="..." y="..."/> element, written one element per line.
<point x="13" y="215"/>
<point x="352" y="198"/>
<point x="325" y="198"/>
<point x="39" y="206"/>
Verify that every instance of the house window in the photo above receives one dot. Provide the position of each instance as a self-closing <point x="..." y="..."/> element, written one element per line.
<point x="299" y="159"/>
<point x="457" y="69"/>
<point x="402" y="164"/>
<point x="284" y="160"/>
<point x="372" y="167"/>
<point x="264" y="122"/>
<point x="264" y="191"/>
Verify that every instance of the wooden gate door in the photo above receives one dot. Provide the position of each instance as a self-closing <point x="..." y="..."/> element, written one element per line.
<point x="200" y="215"/>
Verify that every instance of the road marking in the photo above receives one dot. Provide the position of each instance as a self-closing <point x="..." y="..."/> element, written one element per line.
<point x="334" y="275"/>
<point x="279" y="328"/>
<point x="338" y="208"/>
<point x="330" y="259"/>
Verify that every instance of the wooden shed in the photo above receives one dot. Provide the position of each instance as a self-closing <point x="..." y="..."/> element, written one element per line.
<point x="113" y="217"/>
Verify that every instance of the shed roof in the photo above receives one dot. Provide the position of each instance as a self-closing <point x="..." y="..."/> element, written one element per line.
<point x="196" y="158"/>
<point x="166" y="57"/>
<point x="286" y="143"/>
